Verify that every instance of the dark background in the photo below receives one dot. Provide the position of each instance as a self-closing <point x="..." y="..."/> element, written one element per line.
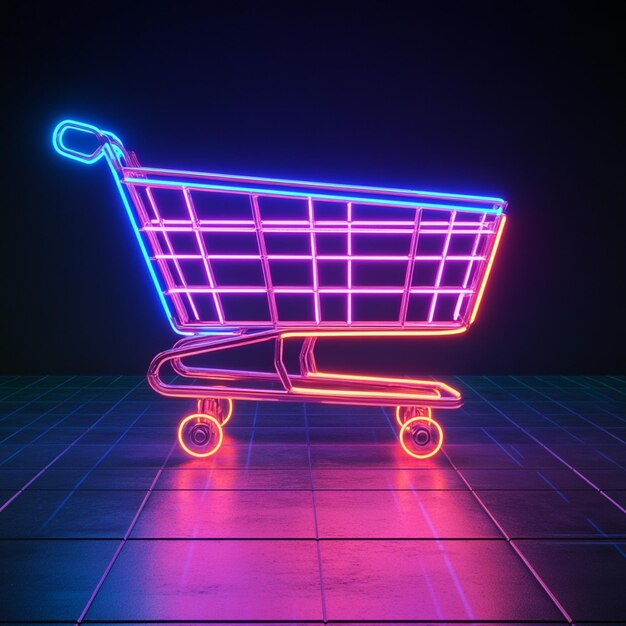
<point x="517" y="100"/>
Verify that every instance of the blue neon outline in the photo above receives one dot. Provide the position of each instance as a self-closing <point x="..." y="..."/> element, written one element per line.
<point x="451" y="196"/>
<point x="114" y="157"/>
<point x="146" y="255"/>
<point x="155" y="279"/>
<point x="300" y="194"/>
<point x="144" y="251"/>
<point x="57" y="141"/>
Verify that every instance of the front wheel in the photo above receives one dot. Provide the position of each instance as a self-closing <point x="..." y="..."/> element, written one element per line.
<point x="404" y="413"/>
<point x="200" y="435"/>
<point x="421" y="437"/>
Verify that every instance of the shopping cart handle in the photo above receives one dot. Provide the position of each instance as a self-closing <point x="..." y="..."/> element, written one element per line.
<point x="103" y="138"/>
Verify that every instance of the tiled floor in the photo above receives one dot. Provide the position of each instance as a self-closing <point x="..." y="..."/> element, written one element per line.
<point x="313" y="513"/>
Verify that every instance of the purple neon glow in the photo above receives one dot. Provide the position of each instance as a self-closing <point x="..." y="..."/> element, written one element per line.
<point x="299" y="260"/>
<point x="257" y="260"/>
<point x="231" y="252"/>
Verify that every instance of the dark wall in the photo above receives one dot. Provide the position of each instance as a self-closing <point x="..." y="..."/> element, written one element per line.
<point x="504" y="99"/>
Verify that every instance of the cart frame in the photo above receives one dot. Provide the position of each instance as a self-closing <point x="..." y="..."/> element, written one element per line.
<point x="214" y="328"/>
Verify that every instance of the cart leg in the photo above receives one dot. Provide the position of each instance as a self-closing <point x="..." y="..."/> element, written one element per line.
<point x="421" y="437"/>
<point x="200" y="434"/>
<point x="221" y="409"/>
<point x="404" y="413"/>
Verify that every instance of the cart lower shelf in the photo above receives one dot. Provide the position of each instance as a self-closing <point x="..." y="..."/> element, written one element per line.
<point x="201" y="433"/>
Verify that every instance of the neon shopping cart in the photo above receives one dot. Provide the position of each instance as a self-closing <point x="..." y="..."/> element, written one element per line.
<point x="243" y="263"/>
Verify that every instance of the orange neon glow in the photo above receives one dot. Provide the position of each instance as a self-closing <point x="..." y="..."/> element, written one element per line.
<point x="428" y="410"/>
<point x="382" y="379"/>
<point x="197" y="304"/>
<point x="428" y="421"/>
<point x="229" y="413"/>
<point x="374" y="379"/>
<point x="200" y="418"/>
<point x="374" y="333"/>
<point x="366" y="394"/>
<point x="488" y="270"/>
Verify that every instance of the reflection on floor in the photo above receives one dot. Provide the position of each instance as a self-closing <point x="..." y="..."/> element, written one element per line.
<point x="313" y="513"/>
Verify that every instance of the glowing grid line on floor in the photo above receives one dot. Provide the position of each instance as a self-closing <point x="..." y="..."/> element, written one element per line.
<point x="416" y="519"/>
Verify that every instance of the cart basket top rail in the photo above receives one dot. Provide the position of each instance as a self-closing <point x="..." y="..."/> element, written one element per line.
<point x="229" y="253"/>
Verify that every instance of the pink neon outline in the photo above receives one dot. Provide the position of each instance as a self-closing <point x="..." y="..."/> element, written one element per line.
<point x="316" y="295"/>
<point x="468" y="271"/>
<point x="362" y="393"/>
<point x="208" y="176"/>
<point x="267" y="274"/>
<point x="204" y="253"/>
<point x="431" y="215"/>
<point x="350" y="256"/>
<point x="165" y="234"/>
<point x="442" y="263"/>
<point x="483" y="284"/>
<point x="482" y="231"/>
<point x="410" y="268"/>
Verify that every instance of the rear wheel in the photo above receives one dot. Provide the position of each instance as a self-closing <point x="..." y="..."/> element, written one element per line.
<point x="421" y="437"/>
<point x="220" y="408"/>
<point x="200" y="435"/>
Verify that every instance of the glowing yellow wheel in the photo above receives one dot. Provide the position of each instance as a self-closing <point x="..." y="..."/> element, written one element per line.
<point x="221" y="408"/>
<point x="421" y="437"/>
<point x="200" y="435"/>
<point x="403" y="413"/>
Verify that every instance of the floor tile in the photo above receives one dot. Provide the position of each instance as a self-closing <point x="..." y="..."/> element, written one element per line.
<point x="227" y="515"/>
<point x="495" y="456"/>
<point x="271" y="435"/>
<point x="597" y="457"/>
<point x="387" y="478"/>
<point x="49" y="580"/>
<point x="372" y="456"/>
<point x="472" y="623"/>
<point x="466" y="434"/>
<point x="82" y="456"/>
<point x="254" y="456"/>
<point x="226" y="580"/>
<point x="606" y="478"/>
<point x="95" y="478"/>
<point x="430" y="580"/>
<point x="294" y="419"/>
<point x="587" y="577"/>
<point x="248" y="516"/>
<point x="591" y="435"/>
<point x="350" y="434"/>
<point x="131" y="456"/>
<point x="142" y="435"/>
<point x="47" y="435"/>
<point x="15" y="478"/>
<point x="402" y="515"/>
<point x="521" y="479"/>
<point x="251" y="478"/>
<point x="551" y="514"/>
<point x="69" y="515"/>
<point x="212" y="623"/>
<point x="30" y="457"/>
<point x="618" y="496"/>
